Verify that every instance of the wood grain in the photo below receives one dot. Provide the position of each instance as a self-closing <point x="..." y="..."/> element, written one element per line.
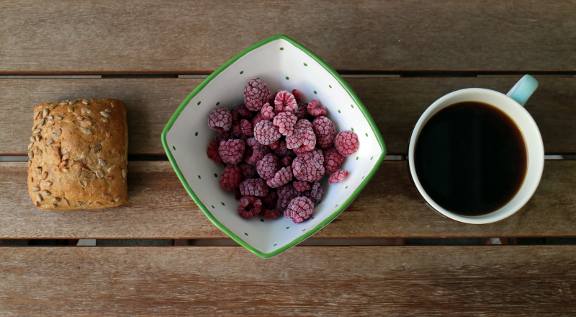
<point x="388" y="208"/>
<point x="306" y="281"/>
<point x="395" y="103"/>
<point x="46" y="36"/>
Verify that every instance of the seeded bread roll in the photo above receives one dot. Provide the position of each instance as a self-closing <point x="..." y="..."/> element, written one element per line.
<point x="78" y="155"/>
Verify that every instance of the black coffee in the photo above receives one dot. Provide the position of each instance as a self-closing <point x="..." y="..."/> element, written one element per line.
<point x="470" y="158"/>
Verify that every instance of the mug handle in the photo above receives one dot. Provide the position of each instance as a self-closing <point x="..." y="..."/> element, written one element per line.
<point x="523" y="89"/>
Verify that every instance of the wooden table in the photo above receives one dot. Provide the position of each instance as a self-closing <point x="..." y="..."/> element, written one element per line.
<point x="388" y="254"/>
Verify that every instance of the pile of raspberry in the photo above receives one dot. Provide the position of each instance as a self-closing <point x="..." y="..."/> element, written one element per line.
<point x="276" y="149"/>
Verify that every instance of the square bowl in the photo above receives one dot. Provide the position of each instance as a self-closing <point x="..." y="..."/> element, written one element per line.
<point x="283" y="64"/>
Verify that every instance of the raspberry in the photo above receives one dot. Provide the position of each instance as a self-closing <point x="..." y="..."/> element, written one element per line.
<point x="346" y="142"/>
<point x="301" y="186"/>
<point x="285" y="195"/>
<point x="220" y="120"/>
<point x="285" y="122"/>
<point x="338" y="176"/>
<point x="231" y="151"/>
<point x="316" y="192"/>
<point x="299" y="209"/>
<point x="255" y="152"/>
<point x="246" y="128"/>
<point x="316" y="109"/>
<point x="267" y="166"/>
<point x="248" y="171"/>
<point x="309" y="166"/>
<point x="253" y="187"/>
<point x="285" y="101"/>
<point x="249" y="207"/>
<point x="298" y="95"/>
<point x="267" y="111"/>
<point x="241" y="111"/>
<point x="303" y="136"/>
<point x="286" y="160"/>
<point x="281" y="149"/>
<point x="212" y="151"/>
<point x="282" y="177"/>
<point x="325" y="130"/>
<point x="266" y="133"/>
<point x="332" y="160"/>
<point x="270" y="200"/>
<point x="230" y="178"/>
<point x="271" y="214"/>
<point x="256" y="93"/>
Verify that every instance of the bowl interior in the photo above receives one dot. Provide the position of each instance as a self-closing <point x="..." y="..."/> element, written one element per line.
<point x="283" y="64"/>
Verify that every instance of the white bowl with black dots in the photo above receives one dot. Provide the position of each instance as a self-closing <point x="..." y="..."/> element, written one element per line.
<point x="283" y="64"/>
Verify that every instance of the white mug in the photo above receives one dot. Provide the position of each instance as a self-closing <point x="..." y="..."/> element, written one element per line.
<point x="512" y="104"/>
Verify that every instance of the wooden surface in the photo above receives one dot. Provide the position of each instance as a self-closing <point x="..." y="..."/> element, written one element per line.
<point x="388" y="208"/>
<point x="327" y="281"/>
<point x="196" y="36"/>
<point x="395" y="104"/>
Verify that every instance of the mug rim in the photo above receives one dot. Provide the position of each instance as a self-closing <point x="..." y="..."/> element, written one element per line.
<point x="498" y="214"/>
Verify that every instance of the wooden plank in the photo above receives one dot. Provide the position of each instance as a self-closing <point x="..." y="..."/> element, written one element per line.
<point x="388" y="208"/>
<point x="395" y="104"/>
<point x="49" y="36"/>
<point x="306" y="281"/>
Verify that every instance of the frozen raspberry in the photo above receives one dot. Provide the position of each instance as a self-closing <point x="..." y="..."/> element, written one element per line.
<point x="249" y="207"/>
<point x="298" y="95"/>
<point x="303" y="136"/>
<point x="346" y="142"/>
<point x="325" y="130"/>
<point x="255" y="152"/>
<point x="332" y="160"/>
<point x="285" y="101"/>
<point x="230" y="178"/>
<point x="281" y="149"/>
<point x="285" y="121"/>
<point x="316" y="109"/>
<point x="299" y="209"/>
<point x="282" y="177"/>
<point x="316" y="192"/>
<point x="220" y="120"/>
<point x="309" y="166"/>
<point x="286" y="160"/>
<point x="253" y="187"/>
<point x="270" y="200"/>
<point x="271" y="214"/>
<point x="338" y="176"/>
<point x="212" y="151"/>
<point x="267" y="166"/>
<point x="256" y="94"/>
<point x="301" y="186"/>
<point x="241" y="111"/>
<point x="248" y="171"/>
<point x="246" y="128"/>
<point x="266" y="133"/>
<point x="285" y="195"/>
<point x="267" y="111"/>
<point x="257" y="119"/>
<point x="231" y="151"/>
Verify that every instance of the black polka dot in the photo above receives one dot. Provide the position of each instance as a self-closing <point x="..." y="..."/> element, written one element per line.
<point x="173" y="147"/>
<point x="218" y="103"/>
<point x="261" y="219"/>
<point x="196" y="134"/>
<point x="246" y="234"/>
<point x="199" y="177"/>
<point x="241" y="72"/>
<point x="198" y="103"/>
<point x="223" y="204"/>
<point x="216" y="175"/>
